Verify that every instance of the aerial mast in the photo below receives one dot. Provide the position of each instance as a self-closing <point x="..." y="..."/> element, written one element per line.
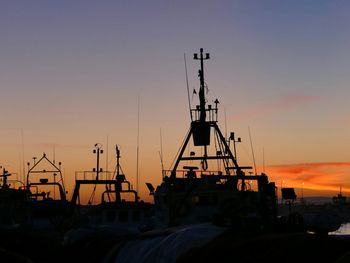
<point x="205" y="119"/>
<point x="202" y="84"/>
<point x="98" y="150"/>
<point x="118" y="158"/>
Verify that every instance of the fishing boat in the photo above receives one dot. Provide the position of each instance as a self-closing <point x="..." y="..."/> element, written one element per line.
<point x="206" y="182"/>
<point x="46" y="193"/>
<point x="115" y="208"/>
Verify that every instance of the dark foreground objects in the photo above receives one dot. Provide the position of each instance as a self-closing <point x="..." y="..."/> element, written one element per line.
<point x="272" y="247"/>
<point x="35" y="247"/>
<point x="230" y="246"/>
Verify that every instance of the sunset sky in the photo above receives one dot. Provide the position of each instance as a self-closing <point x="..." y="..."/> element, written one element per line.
<point x="75" y="73"/>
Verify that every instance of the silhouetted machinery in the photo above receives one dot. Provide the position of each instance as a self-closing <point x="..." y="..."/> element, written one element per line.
<point x="288" y="194"/>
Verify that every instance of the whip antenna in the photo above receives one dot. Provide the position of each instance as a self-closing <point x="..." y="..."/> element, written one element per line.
<point x="138" y="142"/>
<point x="161" y="153"/>
<point x="263" y="160"/>
<point x="251" y="146"/>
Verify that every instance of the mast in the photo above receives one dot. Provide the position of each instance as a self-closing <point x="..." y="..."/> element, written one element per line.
<point x="205" y="119"/>
<point x="202" y="84"/>
<point x="118" y="160"/>
<point x="98" y="150"/>
<point x="4" y="176"/>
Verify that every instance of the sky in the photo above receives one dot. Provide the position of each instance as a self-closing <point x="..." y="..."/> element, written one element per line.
<point x="76" y="73"/>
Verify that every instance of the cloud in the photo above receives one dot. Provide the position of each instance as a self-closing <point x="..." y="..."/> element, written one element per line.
<point x="283" y="104"/>
<point x="316" y="176"/>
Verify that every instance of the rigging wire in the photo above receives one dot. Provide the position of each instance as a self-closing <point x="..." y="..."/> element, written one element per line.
<point x="216" y="149"/>
<point x="223" y="152"/>
<point x="188" y="89"/>
<point x="178" y="151"/>
<point x="225" y="124"/>
<point x="92" y="196"/>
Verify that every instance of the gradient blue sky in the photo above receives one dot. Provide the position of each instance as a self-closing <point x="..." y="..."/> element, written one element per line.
<point x="72" y="71"/>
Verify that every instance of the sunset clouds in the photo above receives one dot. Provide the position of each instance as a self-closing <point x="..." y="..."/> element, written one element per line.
<point x="326" y="176"/>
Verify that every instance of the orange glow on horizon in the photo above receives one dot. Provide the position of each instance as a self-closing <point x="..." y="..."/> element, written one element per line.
<point x="312" y="177"/>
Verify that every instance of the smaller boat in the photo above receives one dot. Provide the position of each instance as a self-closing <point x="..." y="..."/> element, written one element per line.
<point x="339" y="199"/>
<point x="47" y="195"/>
<point x="118" y="210"/>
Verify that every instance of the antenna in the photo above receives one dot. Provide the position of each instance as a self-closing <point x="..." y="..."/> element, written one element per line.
<point x="118" y="160"/>
<point x="251" y="146"/>
<point x="54" y="154"/>
<point x="225" y="123"/>
<point x="188" y="89"/>
<point x="20" y="168"/>
<point x="263" y="160"/>
<point x="107" y="157"/>
<point x="161" y="164"/>
<point x="138" y="140"/>
<point x="161" y="152"/>
<point x="98" y="150"/>
<point x="23" y="165"/>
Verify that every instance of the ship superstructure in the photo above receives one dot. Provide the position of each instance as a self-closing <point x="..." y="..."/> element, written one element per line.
<point x="206" y="183"/>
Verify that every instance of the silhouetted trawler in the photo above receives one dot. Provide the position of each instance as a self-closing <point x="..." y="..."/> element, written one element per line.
<point x="46" y="193"/>
<point x="118" y="209"/>
<point x="34" y="204"/>
<point x="206" y="183"/>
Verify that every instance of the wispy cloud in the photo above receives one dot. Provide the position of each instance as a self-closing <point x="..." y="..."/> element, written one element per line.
<point x="317" y="176"/>
<point x="283" y="104"/>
